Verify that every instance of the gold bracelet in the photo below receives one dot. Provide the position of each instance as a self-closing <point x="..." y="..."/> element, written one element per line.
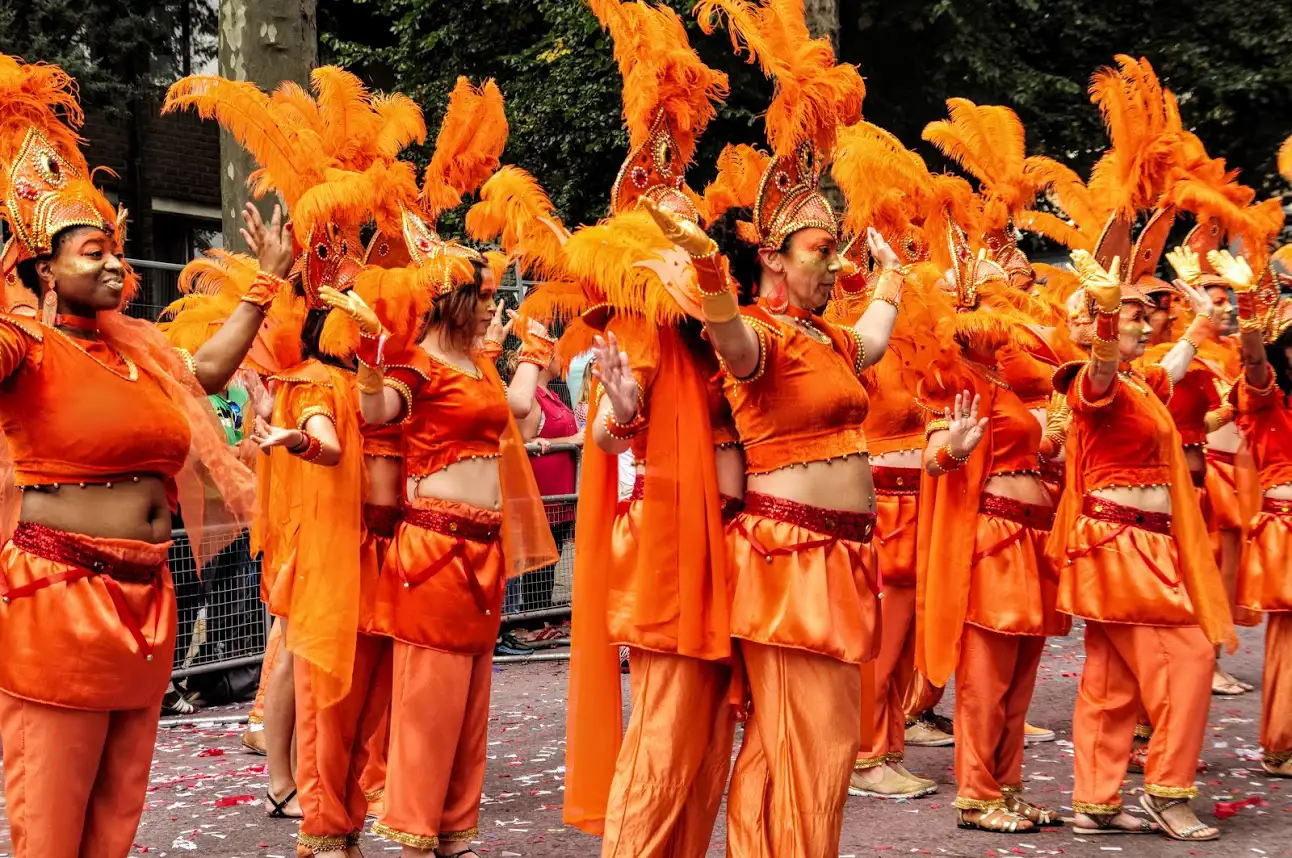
<point x="1250" y="326"/>
<point x="949" y="461"/>
<point x="885" y="291"/>
<point x="719" y="307"/>
<point x="264" y="289"/>
<point x="370" y="379"/>
<point x="623" y="431"/>
<point x="1105" y="351"/>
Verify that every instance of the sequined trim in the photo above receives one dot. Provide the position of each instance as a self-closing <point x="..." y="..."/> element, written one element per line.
<point x="187" y="356"/>
<point x="895" y="481"/>
<point x="859" y="362"/>
<point x="453" y="525"/>
<point x="1259" y="391"/>
<point x="1030" y="515"/>
<point x="60" y="546"/>
<point x="869" y="763"/>
<point x="381" y="521"/>
<point x="318" y="844"/>
<point x="941" y="424"/>
<point x="895" y="757"/>
<point x="405" y="392"/>
<point x="1275" y="506"/>
<point x="456" y="836"/>
<point x="376" y="795"/>
<point x="1170" y="792"/>
<point x="255" y="719"/>
<point x="1103" y="509"/>
<point x="314" y="411"/>
<point x="1011" y="790"/>
<point x="964" y="803"/>
<point x="417" y="841"/>
<point x="761" y="333"/>
<point x="1080" y="382"/>
<point x="840" y="524"/>
<point x="1275" y="759"/>
<point x="1143" y="731"/>
<point x="1092" y="809"/>
<point x="731" y="507"/>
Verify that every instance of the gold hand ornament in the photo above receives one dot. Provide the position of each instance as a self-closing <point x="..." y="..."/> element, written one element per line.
<point x="680" y="231"/>
<point x="1237" y="273"/>
<point x="1104" y="287"/>
<point x="354" y="307"/>
<point x="1186" y="264"/>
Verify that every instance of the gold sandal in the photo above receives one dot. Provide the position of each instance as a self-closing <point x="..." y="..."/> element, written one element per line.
<point x="997" y="820"/>
<point x="1041" y="817"/>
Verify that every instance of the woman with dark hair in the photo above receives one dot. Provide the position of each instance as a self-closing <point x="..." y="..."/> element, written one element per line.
<point x="1262" y="398"/>
<point x="104" y="423"/>
<point x="473" y="518"/>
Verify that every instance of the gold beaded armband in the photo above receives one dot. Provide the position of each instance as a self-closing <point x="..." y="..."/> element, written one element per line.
<point x="264" y="289"/>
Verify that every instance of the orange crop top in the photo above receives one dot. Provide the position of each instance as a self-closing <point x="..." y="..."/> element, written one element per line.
<point x="76" y="412"/>
<point x="449" y="414"/>
<point x="1030" y="376"/>
<point x="1266" y="422"/>
<point x="804" y="402"/>
<point x="638" y="341"/>
<point x="382" y="440"/>
<point x="1195" y="395"/>
<point x="895" y="420"/>
<point x="1015" y="433"/>
<point x="1126" y="446"/>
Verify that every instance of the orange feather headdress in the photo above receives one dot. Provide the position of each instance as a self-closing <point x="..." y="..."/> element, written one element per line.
<point x="670" y="96"/>
<point x="45" y="182"/>
<point x="740" y="170"/>
<point x="814" y="98"/>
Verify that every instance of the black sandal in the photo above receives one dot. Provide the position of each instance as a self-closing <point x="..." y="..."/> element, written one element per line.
<point x="278" y="812"/>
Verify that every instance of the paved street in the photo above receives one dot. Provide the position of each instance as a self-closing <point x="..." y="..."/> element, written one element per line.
<point x="203" y="799"/>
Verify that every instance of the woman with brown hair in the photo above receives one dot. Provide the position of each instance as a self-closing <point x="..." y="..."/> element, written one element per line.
<point x="105" y="423"/>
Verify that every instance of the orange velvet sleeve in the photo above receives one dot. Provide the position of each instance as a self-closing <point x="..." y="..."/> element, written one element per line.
<point x="15" y="342"/>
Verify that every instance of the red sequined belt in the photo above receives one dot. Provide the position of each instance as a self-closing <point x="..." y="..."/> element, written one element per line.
<point x="1103" y="509"/>
<point x="731" y="507"/>
<point x="1276" y="506"/>
<point x="381" y="520"/>
<point x="895" y="481"/>
<point x="451" y="525"/>
<point x="1031" y="515"/>
<point x="834" y="523"/>
<point x="65" y="548"/>
<point x="1224" y="456"/>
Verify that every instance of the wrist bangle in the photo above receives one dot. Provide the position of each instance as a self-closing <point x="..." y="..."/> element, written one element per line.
<point x="370" y="379"/>
<point x="889" y="287"/>
<point x="949" y="461"/>
<point x="1199" y="331"/>
<point x="1106" y="326"/>
<point x="624" y="431"/>
<point x="536" y="350"/>
<point x="312" y="450"/>
<point x="719" y="307"/>
<point x="1106" y="351"/>
<point x="264" y="289"/>
<point x="1249" y="326"/>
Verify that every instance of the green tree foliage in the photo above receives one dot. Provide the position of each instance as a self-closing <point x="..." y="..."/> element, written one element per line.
<point x="1230" y="63"/>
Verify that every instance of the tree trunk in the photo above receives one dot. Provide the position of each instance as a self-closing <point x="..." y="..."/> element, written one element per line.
<point x="265" y="42"/>
<point x="823" y="19"/>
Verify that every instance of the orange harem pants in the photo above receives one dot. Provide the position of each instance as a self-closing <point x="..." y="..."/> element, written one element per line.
<point x="1169" y="670"/>
<point x="333" y="746"/>
<point x="897" y="511"/>
<point x="674" y="760"/>
<point x="81" y="688"/>
<point x="1276" y="693"/>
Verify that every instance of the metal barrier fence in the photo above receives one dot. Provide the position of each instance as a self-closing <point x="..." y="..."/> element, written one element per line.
<point x="223" y="625"/>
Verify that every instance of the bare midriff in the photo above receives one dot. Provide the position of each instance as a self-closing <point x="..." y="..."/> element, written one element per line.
<point x="132" y="508"/>
<point x="1147" y="498"/>
<point x="1283" y="491"/>
<point x="384" y="476"/>
<point x="1025" y="488"/>
<point x="842" y="484"/>
<point x="472" y="481"/>
<point x="898" y="459"/>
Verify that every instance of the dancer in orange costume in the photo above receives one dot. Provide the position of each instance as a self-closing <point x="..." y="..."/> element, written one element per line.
<point x="473" y="519"/>
<point x="653" y="790"/>
<point x="321" y="562"/>
<point x="1134" y="560"/>
<point x="1265" y="419"/>
<point x="84" y="571"/>
<point x="905" y="212"/>
<point x="801" y="645"/>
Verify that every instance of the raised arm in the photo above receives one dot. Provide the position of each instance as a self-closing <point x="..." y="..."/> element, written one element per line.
<point x="1105" y="290"/>
<point x="1238" y="274"/>
<point x="219" y="358"/>
<point x="1176" y="361"/>
<point x="875" y="326"/>
<point x="954" y="438"/>
<point x="378" y="402"/>
<point x="734" y="341"/>
<point x="536" y="352"/>
<point x="618" y="416"/>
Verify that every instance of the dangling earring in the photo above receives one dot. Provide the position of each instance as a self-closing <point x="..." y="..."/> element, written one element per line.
<point x="49" y="307"/>
<point x="779" y="301"/>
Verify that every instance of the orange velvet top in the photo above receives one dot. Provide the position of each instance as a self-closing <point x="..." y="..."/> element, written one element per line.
<point x="895" y="421"/>
<point x="1266" y="422"/>
<point x="804" y="402"/>
<point x="639" y="340"/>
<point x="1030" y="373"/>
<point x="1126" y="446"/>
<point x="383" y="440"/>
<point x="1195" y="395"/>
<point x="79" y="412"/>
<point x="449" y="414"/>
